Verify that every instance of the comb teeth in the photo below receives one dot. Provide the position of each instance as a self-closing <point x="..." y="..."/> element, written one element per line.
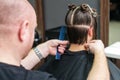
<point x="61" y="37"/>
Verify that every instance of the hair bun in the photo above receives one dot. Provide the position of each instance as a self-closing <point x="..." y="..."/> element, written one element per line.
<point x="71" y="7"/>
<point x="87" y="8"/>
<point x="84" y="7"/>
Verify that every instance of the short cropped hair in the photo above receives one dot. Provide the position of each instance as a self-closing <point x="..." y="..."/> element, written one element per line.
<point x="78" y="20"/>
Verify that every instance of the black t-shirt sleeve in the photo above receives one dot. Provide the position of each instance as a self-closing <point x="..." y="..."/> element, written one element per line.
<point x="39" y="75"/>
<point x="11" y="72"/>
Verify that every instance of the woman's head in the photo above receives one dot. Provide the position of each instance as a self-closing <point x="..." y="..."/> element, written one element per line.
<point x="79" y="20"/>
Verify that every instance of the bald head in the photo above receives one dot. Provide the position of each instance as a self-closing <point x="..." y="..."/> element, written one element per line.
<point x="17" y="20"/>
<point x="12" y="11"/>
<point x="17" y="25"/>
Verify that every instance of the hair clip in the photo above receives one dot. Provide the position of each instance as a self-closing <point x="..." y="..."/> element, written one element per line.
<point x="71" y="7"/>
<point x="86" y="7"/>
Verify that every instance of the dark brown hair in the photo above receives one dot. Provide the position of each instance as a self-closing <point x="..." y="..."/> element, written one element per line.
<point x="76" y="19"/>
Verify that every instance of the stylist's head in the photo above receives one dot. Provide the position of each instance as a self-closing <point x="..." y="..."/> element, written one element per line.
<point x="17" y="25"/>
<point x="81" y="23"/>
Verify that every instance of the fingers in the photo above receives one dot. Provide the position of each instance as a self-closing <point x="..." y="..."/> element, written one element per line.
<point x="62" y="42"/>
<point x="92" y="41"/>
<point x="94" y="46"/>
<point x="55" y="42"/>
<point x="61" y="49"/>
<point x="86" y="46"/>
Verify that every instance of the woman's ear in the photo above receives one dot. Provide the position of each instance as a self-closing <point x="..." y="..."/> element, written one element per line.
<point x="90" y="31"/>
<point x="23" y="30"/>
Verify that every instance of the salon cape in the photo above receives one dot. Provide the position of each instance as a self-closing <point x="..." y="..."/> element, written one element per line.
<point x="75" y="66"/>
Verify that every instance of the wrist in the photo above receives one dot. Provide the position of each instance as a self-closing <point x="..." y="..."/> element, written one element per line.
<point x="38" y="53"/>
<point x="99" y="54"/>
<point x="43" y="49"/>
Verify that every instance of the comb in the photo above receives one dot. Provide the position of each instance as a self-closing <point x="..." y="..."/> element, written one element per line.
<point x="61" y="37"/>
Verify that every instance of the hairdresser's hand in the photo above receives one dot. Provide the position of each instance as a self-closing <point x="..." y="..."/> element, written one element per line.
<point x="95" y="47"/>
<point x="99" y="70"/>
<point x="50" y="47"/>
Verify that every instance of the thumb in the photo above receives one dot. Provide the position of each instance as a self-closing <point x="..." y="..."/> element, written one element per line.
<point x="86" y="46"/>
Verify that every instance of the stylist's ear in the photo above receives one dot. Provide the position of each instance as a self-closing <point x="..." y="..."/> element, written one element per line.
<point x="23" y="30"/>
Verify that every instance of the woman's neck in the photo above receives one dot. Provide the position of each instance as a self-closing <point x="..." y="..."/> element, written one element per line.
<point x="77" y="47"/>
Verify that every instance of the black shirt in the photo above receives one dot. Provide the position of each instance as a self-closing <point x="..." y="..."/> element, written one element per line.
<point x="75" y="66"/>
<point x="10" y="72"/>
